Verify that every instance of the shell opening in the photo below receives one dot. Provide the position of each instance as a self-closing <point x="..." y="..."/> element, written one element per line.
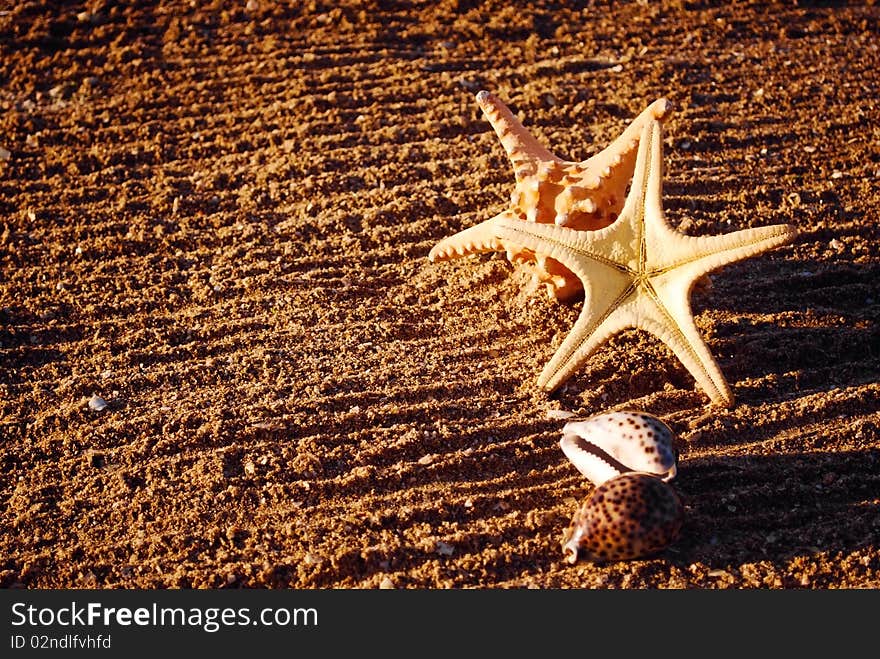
<point x="570" y="550"/>
<point x="571" y="542"/>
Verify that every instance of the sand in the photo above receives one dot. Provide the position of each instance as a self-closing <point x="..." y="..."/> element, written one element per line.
<point x="217" y="218"/>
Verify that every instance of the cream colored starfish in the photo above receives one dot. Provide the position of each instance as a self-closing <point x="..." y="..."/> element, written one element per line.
<point x="549" y="190"/>
<point x="638" y="272"/>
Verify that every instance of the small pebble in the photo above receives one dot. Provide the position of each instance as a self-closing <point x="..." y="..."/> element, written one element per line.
<point x="58" y="91"/>
<point x="470" y="85"/>
<point x="386" y="584"/>
<point x="445" y="549"/>
<point x="97" y="403"/>
<point x="559" y="414"/>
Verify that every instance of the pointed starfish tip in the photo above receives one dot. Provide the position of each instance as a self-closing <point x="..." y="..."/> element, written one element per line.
<point x="661" y="107"/>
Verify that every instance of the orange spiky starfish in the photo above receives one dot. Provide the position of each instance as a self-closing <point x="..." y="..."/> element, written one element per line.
<point x="584" y="195"/>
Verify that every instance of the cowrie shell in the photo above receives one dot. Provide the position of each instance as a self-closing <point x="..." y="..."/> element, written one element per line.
<point x="629" y="516"/>
<point x="608" y="445"/>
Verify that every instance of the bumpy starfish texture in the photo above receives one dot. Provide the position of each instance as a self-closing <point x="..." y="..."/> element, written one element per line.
<point x="638" y="272"/>
<point x="549" y="190"/>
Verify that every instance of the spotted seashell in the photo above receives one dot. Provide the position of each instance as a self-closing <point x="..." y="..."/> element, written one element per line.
<point x="629" y="516"/>
<point x="608" y="445"/>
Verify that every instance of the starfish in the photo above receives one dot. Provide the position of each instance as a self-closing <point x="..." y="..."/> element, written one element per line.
<point x="549" y="190"/>
<point x="638" y="272"/>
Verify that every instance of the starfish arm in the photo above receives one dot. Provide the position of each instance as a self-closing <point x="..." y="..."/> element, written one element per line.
<point x="699" y="255"/>
<point x="627" y="235"/>
<point x="524" y="151"/>
<point x="477" y="239"/>
<point x="657" y="110"/>
<point x="671" y="249"/>
<point x="652" y="174"/>
<point x="544" y="238"/>
<point x="619" y="156"/>
<point x="666" y="313"/>
<point x="579" y="251"/>
<point x="604" y="314"/>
